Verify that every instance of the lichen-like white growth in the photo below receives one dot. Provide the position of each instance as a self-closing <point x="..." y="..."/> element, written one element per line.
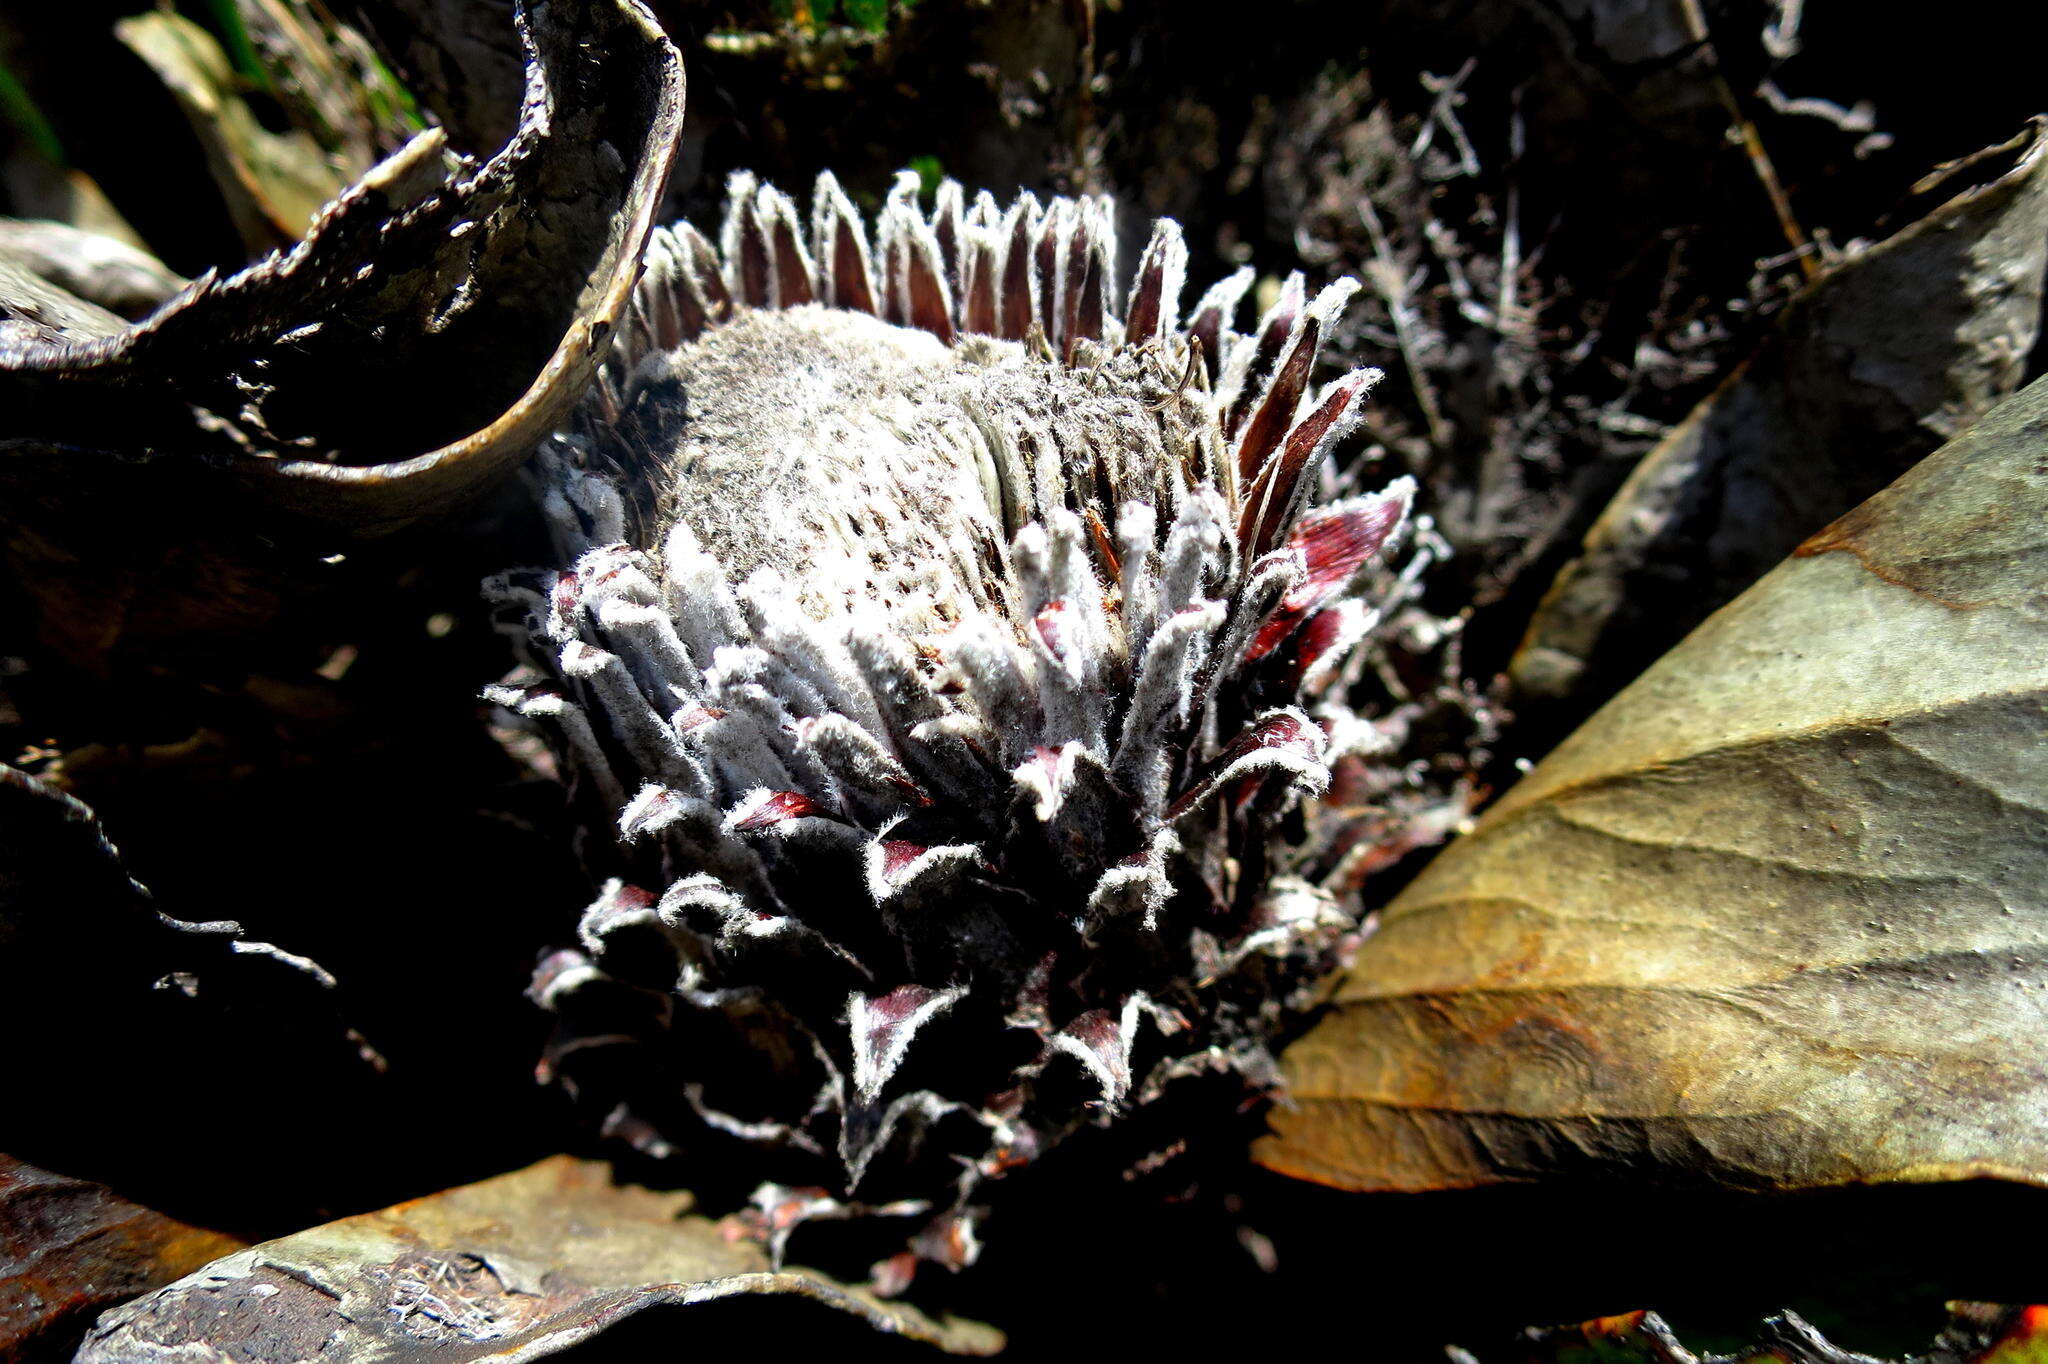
<point x="955" y="646"/>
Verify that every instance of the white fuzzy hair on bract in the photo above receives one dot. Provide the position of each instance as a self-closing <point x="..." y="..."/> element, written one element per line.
<point x="953" y="644"/>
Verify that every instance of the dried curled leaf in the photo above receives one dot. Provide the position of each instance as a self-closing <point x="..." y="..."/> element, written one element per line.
<point x="1776" y="917"/>
<point x="515" y="1268"/>
<point x="69" y="1248"/>
<point x="1977" y="1333"/>
<point x="446" y="307"/>
<point x="167" y="480"/>
<point x="1895" y="350"/>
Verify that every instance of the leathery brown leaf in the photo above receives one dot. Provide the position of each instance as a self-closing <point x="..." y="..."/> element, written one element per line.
<point x="1774" y="917"/>
<point x="515" y="1268"/>
<point x="69" y="1248"/>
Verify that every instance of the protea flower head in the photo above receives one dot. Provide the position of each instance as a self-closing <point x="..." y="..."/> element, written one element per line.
<point x="951" y="650"/>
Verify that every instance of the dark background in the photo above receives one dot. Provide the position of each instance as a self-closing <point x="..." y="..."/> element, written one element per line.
<point x="230" y="783"/>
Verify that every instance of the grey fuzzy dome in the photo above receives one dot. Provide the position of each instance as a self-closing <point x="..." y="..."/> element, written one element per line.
<point x="857" y="457"/>
<point x="791" y="424"/>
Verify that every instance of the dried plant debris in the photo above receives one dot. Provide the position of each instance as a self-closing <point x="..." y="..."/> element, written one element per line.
<point x="330" y="80"/>
<point x="342" y="107"/>
<point x="1551" y="298"/>
<point x="990" y="687"/>
<point x="32" y="301"/>
<point x="1977" y="1333"/>
<point x="515" y="1268"/>
<point x="440" y="317"/>
<point x="1773" y="918"/>
<point x="951" y="649"/>
<point x="1896" y="348"/>
<point x="274" y="184"/>
<point x="69" y="1249"/>
<point x="432" y="265"/>
<point x="42" y="190"/>
<point x="1513" y="392"/>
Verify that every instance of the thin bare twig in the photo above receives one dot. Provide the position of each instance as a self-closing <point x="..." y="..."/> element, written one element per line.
<point x="1388" y="279"/>
<point x="1752" y="142"/>
<point x="1509" y="309"/>
<point x="1447" y="94"/>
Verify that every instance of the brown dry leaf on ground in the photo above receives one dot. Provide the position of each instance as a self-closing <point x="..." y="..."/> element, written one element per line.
<point x="515" y="1268"/>
<point x="69" y="1249"/>
<point x="1773" y="918"/>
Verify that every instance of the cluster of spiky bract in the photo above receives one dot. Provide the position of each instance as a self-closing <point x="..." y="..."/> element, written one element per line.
<point x="954" y="649"/>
